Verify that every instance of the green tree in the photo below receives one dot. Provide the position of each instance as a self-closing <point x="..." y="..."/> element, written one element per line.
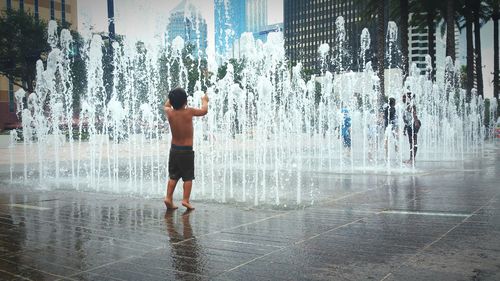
<point x="495" y="16"/>
<point x="375" y="10"/>
<point x="238" y="66"/>
<point x="23" y="41"/>
<point x="467" y="20"/>
<point x="381" y="46"/>
<point x="473" y="15"/>
<point x="78" y="69"/>
<point x="480" y="16"/>
<point x="404" y="10"/>
<point x="463" y="76"/>
<point x="170" y="70"/>
<point x="450" y="20"/>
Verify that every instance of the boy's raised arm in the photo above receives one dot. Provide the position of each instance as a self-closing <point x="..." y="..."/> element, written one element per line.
<point x="167" y="105"/>
<point x="204" y="107"/>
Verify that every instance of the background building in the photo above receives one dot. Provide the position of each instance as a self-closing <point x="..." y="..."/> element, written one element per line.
<point x="230" y="23"/>
<point x="261" y="33"/>
<point x="64" y="11"/>
<point x="257" y="35"/>
<point x="310" y="23"/>
<point x="256" y="15"/>
<point x="418" y="47"/>
<point x="187" y="23"/>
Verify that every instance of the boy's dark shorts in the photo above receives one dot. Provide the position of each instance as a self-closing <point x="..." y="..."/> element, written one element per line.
<point x="181" y="165"/>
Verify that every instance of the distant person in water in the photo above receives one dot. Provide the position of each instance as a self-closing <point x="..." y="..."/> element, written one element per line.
<point x="346" y="128"/>
<point x="181" y="158"/>
<point x="391" y="122"/>
<point x="412" y="125"/>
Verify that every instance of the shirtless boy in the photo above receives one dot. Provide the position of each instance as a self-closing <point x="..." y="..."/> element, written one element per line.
<point x="181" y="158"/>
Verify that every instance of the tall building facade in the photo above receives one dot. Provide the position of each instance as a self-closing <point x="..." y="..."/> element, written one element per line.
<point x="310" y="23"/>
<point x="230" y="23"/>
<point x="256" y="15"/>
<point x="64" y="11"/>
<point x="418" y="48"/>
<point x="186" y="22"/>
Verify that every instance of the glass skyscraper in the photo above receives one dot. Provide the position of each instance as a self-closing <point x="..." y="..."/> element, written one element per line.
<point x="256" y="15"/>
<point x="187" y="23"/>
<point x="309" y="23"/>
<point x="230" y="23"/>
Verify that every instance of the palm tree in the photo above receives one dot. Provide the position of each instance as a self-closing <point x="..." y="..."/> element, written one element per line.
<point x="404" y="12"/>
<point x="477" y="13"/>
<point x="450" y="29"/>
<point x="467" y="19"/>
<point x="495" y="15"/>
<point x="111" y="20"/>
<point x="398" y="11"/>
<point x="381" y="45"/>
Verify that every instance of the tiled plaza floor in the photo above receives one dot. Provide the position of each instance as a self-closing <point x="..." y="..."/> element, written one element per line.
<point x="443" y="225"/>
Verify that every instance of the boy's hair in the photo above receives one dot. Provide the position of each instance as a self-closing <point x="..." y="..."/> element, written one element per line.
<point x="177" y="97"/>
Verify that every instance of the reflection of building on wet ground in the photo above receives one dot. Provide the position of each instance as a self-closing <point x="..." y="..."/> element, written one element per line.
<point x="60" y="10"/>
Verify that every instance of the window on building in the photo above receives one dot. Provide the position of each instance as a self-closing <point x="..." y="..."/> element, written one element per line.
<point x="21" y="5"/>
<point x="52" y="10"/>
<point x="9" y="4"/>
<point x="12" y="107"/>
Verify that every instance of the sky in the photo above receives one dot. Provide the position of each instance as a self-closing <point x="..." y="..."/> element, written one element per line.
<point x="146" y="20"/>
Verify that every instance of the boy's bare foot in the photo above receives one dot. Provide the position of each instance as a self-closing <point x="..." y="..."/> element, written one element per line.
<point x="170" y="205"/>
<point x="187" y="205"/>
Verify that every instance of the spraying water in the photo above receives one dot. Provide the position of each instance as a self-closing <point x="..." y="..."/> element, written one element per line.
<point x="267" y="130"/>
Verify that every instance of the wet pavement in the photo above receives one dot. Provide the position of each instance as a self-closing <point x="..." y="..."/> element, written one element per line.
<point x="442" y="225"/>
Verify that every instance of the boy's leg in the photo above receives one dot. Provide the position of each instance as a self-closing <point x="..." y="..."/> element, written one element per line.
<point x="186" y="194"/>
<point x="170" y="194"/>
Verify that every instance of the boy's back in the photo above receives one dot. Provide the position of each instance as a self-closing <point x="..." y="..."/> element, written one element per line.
<point x="181" y="121"/>
<point x="181" y="125"/>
